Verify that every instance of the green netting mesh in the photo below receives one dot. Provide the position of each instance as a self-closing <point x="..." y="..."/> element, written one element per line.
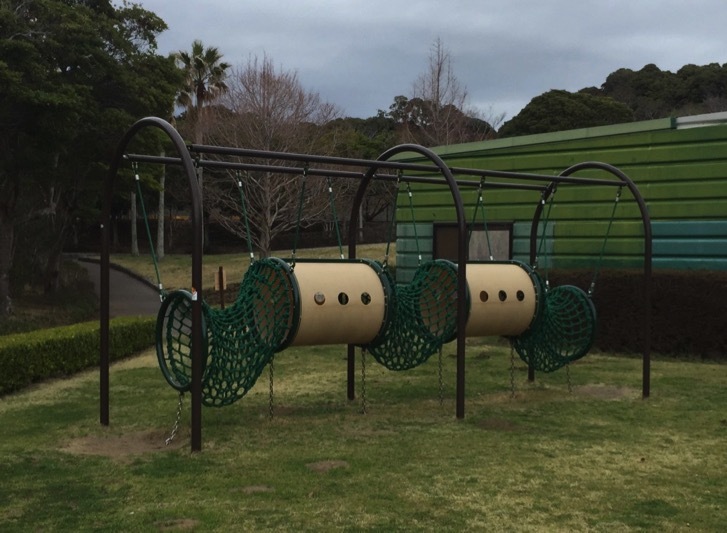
<point x="564" y="333"/>
<point x="238" y="340"/>
<point x="174" y="339"/>
<point x="425" y="317"/>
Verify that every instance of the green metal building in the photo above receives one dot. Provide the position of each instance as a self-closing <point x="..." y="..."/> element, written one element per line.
<point x="678" y="164"/>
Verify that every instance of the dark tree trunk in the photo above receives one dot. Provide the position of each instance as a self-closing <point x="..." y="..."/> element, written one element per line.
<point x="7" y="239"/>
<point x="52" y="277"/>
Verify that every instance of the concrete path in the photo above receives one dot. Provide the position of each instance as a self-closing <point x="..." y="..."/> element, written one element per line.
<point x="128" y="295"/>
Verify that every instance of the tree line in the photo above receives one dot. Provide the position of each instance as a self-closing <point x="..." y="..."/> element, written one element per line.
<point x="74" y="75"/>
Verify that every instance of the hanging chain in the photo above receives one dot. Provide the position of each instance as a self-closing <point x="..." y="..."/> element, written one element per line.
<point x="175" y="427"/>
<point x="243" y="209"/>
<point x="301" y="201"/>
<point x="364" y="406"/>
<point x="567" y="373"/>
<point x="441" y="379"/>
<point x="152" y="251"/>
<point x="592" y="287"/>
<point x="512" y="370"/>
<point x="332" y="201"/>
<point x="393" y="223"/>
<point x="413" y="221"/>
<point x="481" y="203"/>
<point x="271" y="403"/>
<point x="542" y="245"/>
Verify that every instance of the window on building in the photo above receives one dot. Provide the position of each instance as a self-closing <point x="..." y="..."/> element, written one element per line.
<point x="500" y="239"/>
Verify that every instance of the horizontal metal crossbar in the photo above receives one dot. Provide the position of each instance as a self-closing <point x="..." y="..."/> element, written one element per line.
<point x="323" y="172"/>
<point x="395" y="165"/>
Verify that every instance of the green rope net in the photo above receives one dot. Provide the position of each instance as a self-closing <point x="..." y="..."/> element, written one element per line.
<point x="238" y="341"/>
<point x="174" y="339"/>
<point x="563" y="333"/>
<point x="425" y="317"/>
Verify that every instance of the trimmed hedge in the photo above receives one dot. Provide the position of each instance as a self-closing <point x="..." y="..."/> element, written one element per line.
<point x="26" y="358"/>
<point x="688" y="311"/>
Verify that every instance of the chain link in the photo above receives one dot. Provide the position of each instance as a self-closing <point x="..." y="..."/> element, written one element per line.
<point x="567" y="373"/>
<point x="364" y="406"/>
<point x="271" y="404"/>
<point x="175" y="428"/>
<point x="512" y="370"/>
<point x="441" y="379"/>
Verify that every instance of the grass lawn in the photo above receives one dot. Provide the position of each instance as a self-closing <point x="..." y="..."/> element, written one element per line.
<point x="596" y="458"/>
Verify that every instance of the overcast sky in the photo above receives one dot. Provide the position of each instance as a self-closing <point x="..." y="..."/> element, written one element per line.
<point x="360" y="54"/>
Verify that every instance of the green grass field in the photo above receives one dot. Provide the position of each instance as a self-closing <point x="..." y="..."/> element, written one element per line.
<point x="596" y="457"/>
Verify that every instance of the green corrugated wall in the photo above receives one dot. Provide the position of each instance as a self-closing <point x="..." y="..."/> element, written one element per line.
<point x="681" y="173"/>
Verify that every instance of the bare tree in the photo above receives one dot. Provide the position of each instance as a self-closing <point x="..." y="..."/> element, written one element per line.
<point x="268" y="109"/>
<point x="438" y="112"/>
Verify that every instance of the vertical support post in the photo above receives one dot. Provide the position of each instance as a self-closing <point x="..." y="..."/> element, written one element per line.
<point x="197" y="245"/>
<point x="462" y="254"/>
<point x="104" y="362"/>
<point x="648" y="264"/>
<point x="545" y="194"/>
<point x="221" y="286"/>
<point x="196" y="218"/>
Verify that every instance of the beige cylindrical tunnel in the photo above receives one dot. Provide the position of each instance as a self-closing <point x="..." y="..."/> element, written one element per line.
<point x="340" y="302"/>
<point x="504" y="299"/>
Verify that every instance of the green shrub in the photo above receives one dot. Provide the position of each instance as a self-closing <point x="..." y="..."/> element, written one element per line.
<point x="26" y="358"/>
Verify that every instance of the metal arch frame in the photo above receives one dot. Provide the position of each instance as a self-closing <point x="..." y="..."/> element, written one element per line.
<point x="196" y="217"/>
<point x="624" y="181"/>
<point x="462" y="255"/>
<point x="436" y="165"/>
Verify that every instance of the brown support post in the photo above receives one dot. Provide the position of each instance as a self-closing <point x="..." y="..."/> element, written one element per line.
<point x="648" y="263"/>
<point x="104" y="325"/>
<point x="196" y="218"/>
<point x="462" y="254"/>
<point x="221" y="286"/>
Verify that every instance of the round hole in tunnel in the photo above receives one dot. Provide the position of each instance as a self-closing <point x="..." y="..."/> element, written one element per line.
<point x="342" y="298"/>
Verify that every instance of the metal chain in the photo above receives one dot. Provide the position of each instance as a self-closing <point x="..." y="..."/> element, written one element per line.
<point x="175" y="428"/>
<point x="364" y="406"/>
<point x="441" y="379"/>
<point x="413" y="222"/>
<point x="512" y="370"/>
<point x="592" y="287"/>
<point x="271" y="401"/>
<point x="567" y="373"/>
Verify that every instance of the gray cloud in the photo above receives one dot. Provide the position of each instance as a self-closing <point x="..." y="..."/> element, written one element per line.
<point x="361" y="54"/>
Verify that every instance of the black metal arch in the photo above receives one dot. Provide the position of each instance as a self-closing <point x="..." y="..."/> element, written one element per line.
<point x="623" y="181"/>
<point x="462" y="255"/>
<point x="185" y="160"/>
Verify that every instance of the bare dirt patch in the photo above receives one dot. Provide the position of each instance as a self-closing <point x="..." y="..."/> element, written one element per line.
<point x="181" y="524"/>
<point x="497" y="424"/>
<point x="326" y="466"/>
<point x="124" y="446"/>
<point x="600" y="391"/>
<point x="255" y="489"/>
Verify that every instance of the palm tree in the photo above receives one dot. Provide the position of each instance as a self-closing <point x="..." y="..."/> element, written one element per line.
<point x="204" y="81"/>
